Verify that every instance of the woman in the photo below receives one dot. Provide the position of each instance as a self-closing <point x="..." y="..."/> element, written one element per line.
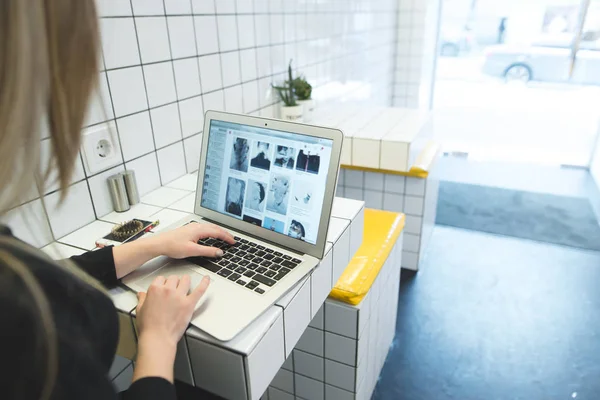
<point x="59" y="329"/>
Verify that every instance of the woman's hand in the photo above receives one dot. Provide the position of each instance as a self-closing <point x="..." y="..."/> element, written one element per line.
<point x="183" y="242"/>
<point x="163" y="314"/>
<point x="178" y="243"/>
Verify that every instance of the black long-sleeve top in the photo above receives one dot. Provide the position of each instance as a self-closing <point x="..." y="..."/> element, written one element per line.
<point x="86" y="325"/>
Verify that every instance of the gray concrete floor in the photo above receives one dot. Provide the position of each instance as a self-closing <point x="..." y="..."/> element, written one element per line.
<point x="490" y="317"/>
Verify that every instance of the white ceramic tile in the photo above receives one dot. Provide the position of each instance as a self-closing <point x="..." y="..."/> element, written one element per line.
<point x="307" y="388"/>
<point x="410" y="260"/>
<point x="340" y="348"/>
<point x="374" y="181"/>
<point x="228" y="34"/>
<point x="210" y="72"/>
<point x="135" y="134"/>
<point x="140" y="211"/>
<point x="301" y="30"/>
<point x="309" y="365"/>
<point x="203" y="7"/>
<point x="75" y="212"/>
<point x="231" y="68"/>
<point x="411" y="242"/>
<point x="289" y="363"/>
<point x="248" y="64"/>
<point x="171" y="162"/>
<point x="208" y="364"/>
<point x="225" y="6"/>
<point x="206" y="34"/>
<point x="181" y="36"/>
<point x="413" y="205"/>
<point x="214" y="101"/>
<point x="127" y="90"/>
<point x="245" y="31"/>
<point x="148" y="7"/>
<point x="312" y="341"/>
<point x="183" y="368"/>
<point x="318" y="320"/>
<point x="29" y="223"/>
<point x="86" y="237"/>
<point x="178" y="7"/>
<point x="100" y="108"/>
<point x="276" y="394"/>
<point x="186" y="204"/>
<point x="192" y="116"/>
<point x="153" y="38"/>
<point x="233" y="99"/>
<point x="394" y="183"/>
<point x="113" y="8"/>
<point x="100" y="194"/>
<point x="192" y="146"/>
<point x="187" y="77"/>
<point x="59" y="251"/>
<point x="353" y="193"/>
<point x="244" y="6"/>
<point x="354" y="179"/>
<point x="267" y="112"/>
<point x="280" y="64"/>
<point x="262" y="25"/>
<point x="277" y="32"/>
<point x="373" y="199"/>
<point x="263" y="59"/>
<point x="334" y="393"/>
<point x="166" y="125"/>
<point x="52" y="183"/>
<point x="341" y="319"/>
<point x="393" y="202"/>
<point x="160" y="84"/>
<point x="297" y="316"/>
<point x="284" y="380"/>
<point x="321" y="280"/>
<point x="276" y="6"/>
<point x="119" y="42"/>
<point x="250" y="96"/>
<point x="261" y="6"/>
<point x="415" y="186"/>
<point x="290" y="27"/>
<point x="164" y="196"/>
<point x="146" y="172"/>
<point x="413" y="224"/>
<point x="339" y="375"/>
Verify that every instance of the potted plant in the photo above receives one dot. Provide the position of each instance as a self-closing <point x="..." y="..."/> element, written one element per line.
<point x="303" y="92"/>
<point x="290" y="109"/>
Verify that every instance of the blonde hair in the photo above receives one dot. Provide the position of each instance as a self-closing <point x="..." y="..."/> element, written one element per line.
<point x="49" y="57"/>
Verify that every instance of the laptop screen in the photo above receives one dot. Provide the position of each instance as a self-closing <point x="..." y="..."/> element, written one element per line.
<point x="266" y="177"/>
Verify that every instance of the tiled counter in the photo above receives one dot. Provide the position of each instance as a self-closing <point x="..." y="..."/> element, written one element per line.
<point x="252" y="359"/>
<point x="389" y="162"/>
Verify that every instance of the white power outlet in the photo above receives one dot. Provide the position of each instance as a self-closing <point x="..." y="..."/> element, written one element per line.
<point x="100" y="148"/>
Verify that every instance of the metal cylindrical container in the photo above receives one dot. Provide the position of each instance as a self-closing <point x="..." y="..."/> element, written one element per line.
<point x="118" y="193"/>
<point x="131" y="186"/>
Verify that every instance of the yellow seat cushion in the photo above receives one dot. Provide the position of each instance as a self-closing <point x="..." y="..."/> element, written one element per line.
<point x="381" y="231"/>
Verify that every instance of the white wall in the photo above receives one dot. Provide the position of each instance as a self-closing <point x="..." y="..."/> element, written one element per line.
<point x="165" y="62"/>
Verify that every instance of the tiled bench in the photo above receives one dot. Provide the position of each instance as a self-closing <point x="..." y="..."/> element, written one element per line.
<point x="388" y="161"/>
<point x="253" y="358"/>
<point x="341" y="353"/>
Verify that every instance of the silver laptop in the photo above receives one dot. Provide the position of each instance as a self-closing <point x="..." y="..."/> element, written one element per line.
<point x="271" y="184"/>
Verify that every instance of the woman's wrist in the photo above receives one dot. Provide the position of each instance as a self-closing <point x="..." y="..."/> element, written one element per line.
<point x="156" y="356"/>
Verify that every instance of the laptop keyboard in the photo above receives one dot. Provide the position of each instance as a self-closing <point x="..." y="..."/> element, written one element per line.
<point x="247" y="264"/>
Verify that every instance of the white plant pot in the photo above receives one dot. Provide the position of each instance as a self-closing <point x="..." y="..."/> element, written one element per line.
<point x="309" y="108"/>
<point x="293" y="114"/>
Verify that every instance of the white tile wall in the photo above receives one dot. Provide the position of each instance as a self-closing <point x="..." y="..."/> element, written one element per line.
<point x="165" y="62"/>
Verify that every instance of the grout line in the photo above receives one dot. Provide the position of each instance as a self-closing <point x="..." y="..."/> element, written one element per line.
<point x="175" y="87"/>
<point x="137" y="38"/>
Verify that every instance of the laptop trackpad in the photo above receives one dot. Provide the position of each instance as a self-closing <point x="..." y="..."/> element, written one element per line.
<point x="170" y="269"/>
